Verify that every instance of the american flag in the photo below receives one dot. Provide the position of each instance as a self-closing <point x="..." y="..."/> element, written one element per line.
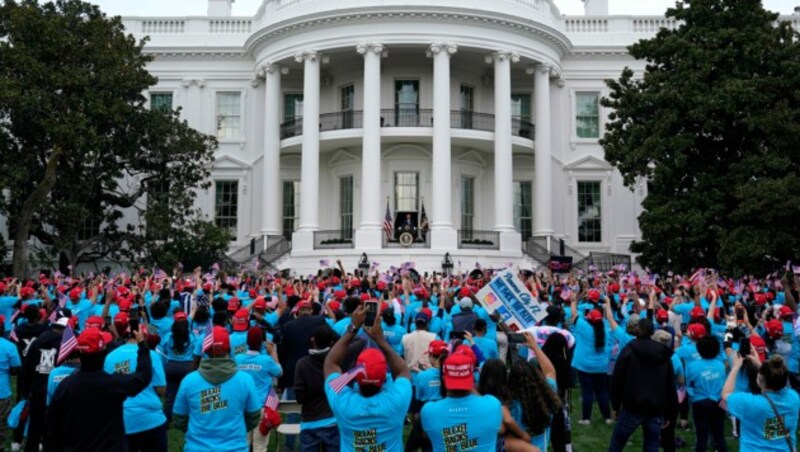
<point x="388" y="226"/>
<point x="375" y="266"/>
<point x="272" y="400"/>
<point x="620" y="268"/>
<point x="324" y="263"/>
<point x="159" y="274"/>
<point x="68" y="344"/>
<point x="208" y="340"/>
<point x="215" y="267"/>
<point x="695" y="278"/>
<point x="566" y="294"/>
<point x="338" y="383"/>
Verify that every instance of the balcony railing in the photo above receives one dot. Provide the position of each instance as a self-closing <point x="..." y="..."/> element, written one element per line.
<point x="471" y="239"/>
<point x="354" y="119"/>
<point x="334" y="239"/>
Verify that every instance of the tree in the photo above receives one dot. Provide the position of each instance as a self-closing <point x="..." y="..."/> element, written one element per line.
<point x="80" y="150"/>
<point x="198" y="244"/>
<point x="712" y="125"/>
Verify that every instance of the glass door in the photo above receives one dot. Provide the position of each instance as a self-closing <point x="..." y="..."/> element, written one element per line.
<point x="348" y="95"/>
<point x="467" y="106"/>
<point x="406" y="103"/>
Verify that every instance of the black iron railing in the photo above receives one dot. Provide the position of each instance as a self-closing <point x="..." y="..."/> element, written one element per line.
<point x="292" y="128"/>
<point x="339" y="238"/>
<point x="520" y="128"/>
<point x="470" y="120"/>
<point x="277" y="246"/>
<point x="474" y="239"/>
<point x="341" y="120"/>
<point x="406" y="117"/>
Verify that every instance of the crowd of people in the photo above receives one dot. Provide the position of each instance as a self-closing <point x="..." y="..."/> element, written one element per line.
<point x="395" y="361"/>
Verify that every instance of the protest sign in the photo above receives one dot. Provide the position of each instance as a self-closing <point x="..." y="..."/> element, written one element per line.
<point x="507" y="296"/>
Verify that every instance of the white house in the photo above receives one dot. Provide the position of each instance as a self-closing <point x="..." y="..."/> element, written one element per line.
<point x="485" y="112"/>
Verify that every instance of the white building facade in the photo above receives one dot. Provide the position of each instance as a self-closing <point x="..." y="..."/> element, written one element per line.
<point x="327" y="112"/>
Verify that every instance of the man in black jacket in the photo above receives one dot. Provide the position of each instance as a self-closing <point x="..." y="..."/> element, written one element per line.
<point x="86" y="410"/>
<point x="309" y="390"/>
<point x="643" y="387"/>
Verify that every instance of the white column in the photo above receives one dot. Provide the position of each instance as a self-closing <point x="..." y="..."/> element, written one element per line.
<point x="368" y="235"/>
<point x="270" y="167"/>
<point x="542" y="196"/>
<point x="309" y="170"/>
<point x="443" y="234"/>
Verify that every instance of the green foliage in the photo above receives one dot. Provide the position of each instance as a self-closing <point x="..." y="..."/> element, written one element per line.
<point x="712" y="125"/>
<point x="198" y="243"/>
<point x="71" y="79"/>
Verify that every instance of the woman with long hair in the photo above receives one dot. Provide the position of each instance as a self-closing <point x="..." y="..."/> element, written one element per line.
<point x="533" y="397"/>
<point x="494" y="381"/>
<point x="591" y="360"/>
<point x="178" y="348"/>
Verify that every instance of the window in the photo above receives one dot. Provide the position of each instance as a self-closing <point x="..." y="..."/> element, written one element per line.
<point x="589" y="212"/>
<point x="521" y="107"/>
<point x="226" y="203"/>
<point x="467" y="98"/>
<point x="291" y="207"/>
<point x="161" y="101"/>
<point x="89" y="228"/>
<point x="406" y="103"/>
<point x="346" y="206"/>
<point x="587" y="116"/>
<point x="348" y="101"/>
<point x="523" y="220"/>
<point x="157" y="221"/>
<point x="229" y="115"/>
<point x="467" y="205"/>
<point x="406" y="192"/>
<point x="292" y="107"/>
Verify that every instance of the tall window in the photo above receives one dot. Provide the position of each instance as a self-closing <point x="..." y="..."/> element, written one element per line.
<point x="587" y="116"/>
<point x="157" y="219"/>
<point x="226" y="204"/>
<point x="406" y="101"/>
<point x="347" y="104"/>
<point x="406" y="192"/>
<point x="523" y="208"/>
<point x="467" y="204"/>
<point x="467" y="99"/>
<point x="346" y="206"/>
<point x="229" y="115"/>
<point x="161" y="101"/>
<point x="291" y="207"/>
<point x="292" y="107"/>
<point x="589" y="212"/>
<point x="521" y="107"/>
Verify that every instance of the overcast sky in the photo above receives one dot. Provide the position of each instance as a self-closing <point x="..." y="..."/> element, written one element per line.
<point x="249" y="7"/>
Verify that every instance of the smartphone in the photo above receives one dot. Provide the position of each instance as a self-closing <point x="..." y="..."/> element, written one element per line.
<point x="372" y="313"/>
<point x="134" y="325"/>
<point x="740" y="314"/>
<point x="107" y="320"/>
<point x="460" y="335"/>
<point x="744" y="346"/>
<point x="517" y="338"/>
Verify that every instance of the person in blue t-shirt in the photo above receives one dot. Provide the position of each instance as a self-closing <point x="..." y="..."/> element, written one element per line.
<point x="488" y="346"/>
<point x="704" y="380"/>
<point x="370" y="417"/>
<point x="427" y="387"/>
<point x="769" y="420"/>
<point x="217" y="404"/>
<point x="143" y="415"/>
<point x="463" y="420"/>
<point x="591" y="359"/>
<point x="262" y="368"/>
<point x="58" y="374"/>
<point x="178" y="347"/>
<point x="10" y="364"/>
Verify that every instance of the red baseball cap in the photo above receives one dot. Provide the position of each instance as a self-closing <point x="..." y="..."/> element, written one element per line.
<point x="614" y="287"/>
<point x="595" y="316"/>
<point x="252" y="293"/>
<point x="26" y="292"/>
<point x="260" y="303"/>
<point x="786" y="311"/>
<point x="458" y="372"/>
<point x="594" y="295"/>
<point x="774" y="328"/>
<point x="374" y="365"/>
<point x="233" y="304"/>
<point x="760" y="346"/>
<point x="381" y="285"/>
<point x="662" y="315"/>
<point x="220" y="341"/>
<point x="355" y="282"/>
<point x="122" y="319"/>
<point x="365" y="297"/>
<point x="75" y="294"/>
<point x="437" y="347"/>
<point x="180" y="315"/>
<point x="760" y="299"/>
<point x="697" y="312"/>
<point x="305" y="304"/>
<point x="241" y="320"/>
<point x="697" y="331"/>
<point x="94" y="321"/>
<point x="334" y="305"/>
<point x="125" y="305"/>
<point x="467" y="351"/>
<point x="464" y="292"/>
<point x="339" y="295"/>
<point x="91" y="341"/>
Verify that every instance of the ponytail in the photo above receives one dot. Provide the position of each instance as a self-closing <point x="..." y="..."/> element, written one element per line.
<point x="599" y="335"/>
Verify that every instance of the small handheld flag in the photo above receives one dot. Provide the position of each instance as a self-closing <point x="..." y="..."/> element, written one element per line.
<point x="208" y="340"/>
<point x="68" y="344"/>
<point x="324" y="263"/>
<point x="338" y="383"/>
<point x="272" y="400"/>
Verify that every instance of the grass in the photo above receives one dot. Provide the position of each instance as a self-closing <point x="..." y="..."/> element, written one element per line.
<point x="595" y="437"/>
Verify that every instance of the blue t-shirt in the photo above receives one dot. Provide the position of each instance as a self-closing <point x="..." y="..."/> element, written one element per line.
<point x="169" y="351"/>
<point x="394" y="336"/>
<point x="83" y="309"/>
<point x="7" y="309"/>
<point x="262" y="368"/>
<point x="463" y="423"/>
<point x="760" y="430"/>
<point x="97" y="309"/>
<point x="216" y="412"/>
<point x="370" y="423"/>
<point x="515" y="408"/>
<point x="341" y="326"/>
<point x="704" y="380"/>
<point x="488" y="347"/>
<point x="428" y="385"/>
<point x="143" y="411"/>
<point x="587" y="358"/>
<point x="57" y="375"/>
<point x="161" y="326"/>
<point x="9" y="357"/>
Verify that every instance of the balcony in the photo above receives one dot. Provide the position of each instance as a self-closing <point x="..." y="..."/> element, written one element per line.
<point x="459" y="119"/>
<point x="333" y="239"/>
<point x="471" y="239"/>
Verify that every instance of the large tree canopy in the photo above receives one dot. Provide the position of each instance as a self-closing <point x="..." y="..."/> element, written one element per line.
<point x="712" y="124"/>
<point x="78" y="144"/>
